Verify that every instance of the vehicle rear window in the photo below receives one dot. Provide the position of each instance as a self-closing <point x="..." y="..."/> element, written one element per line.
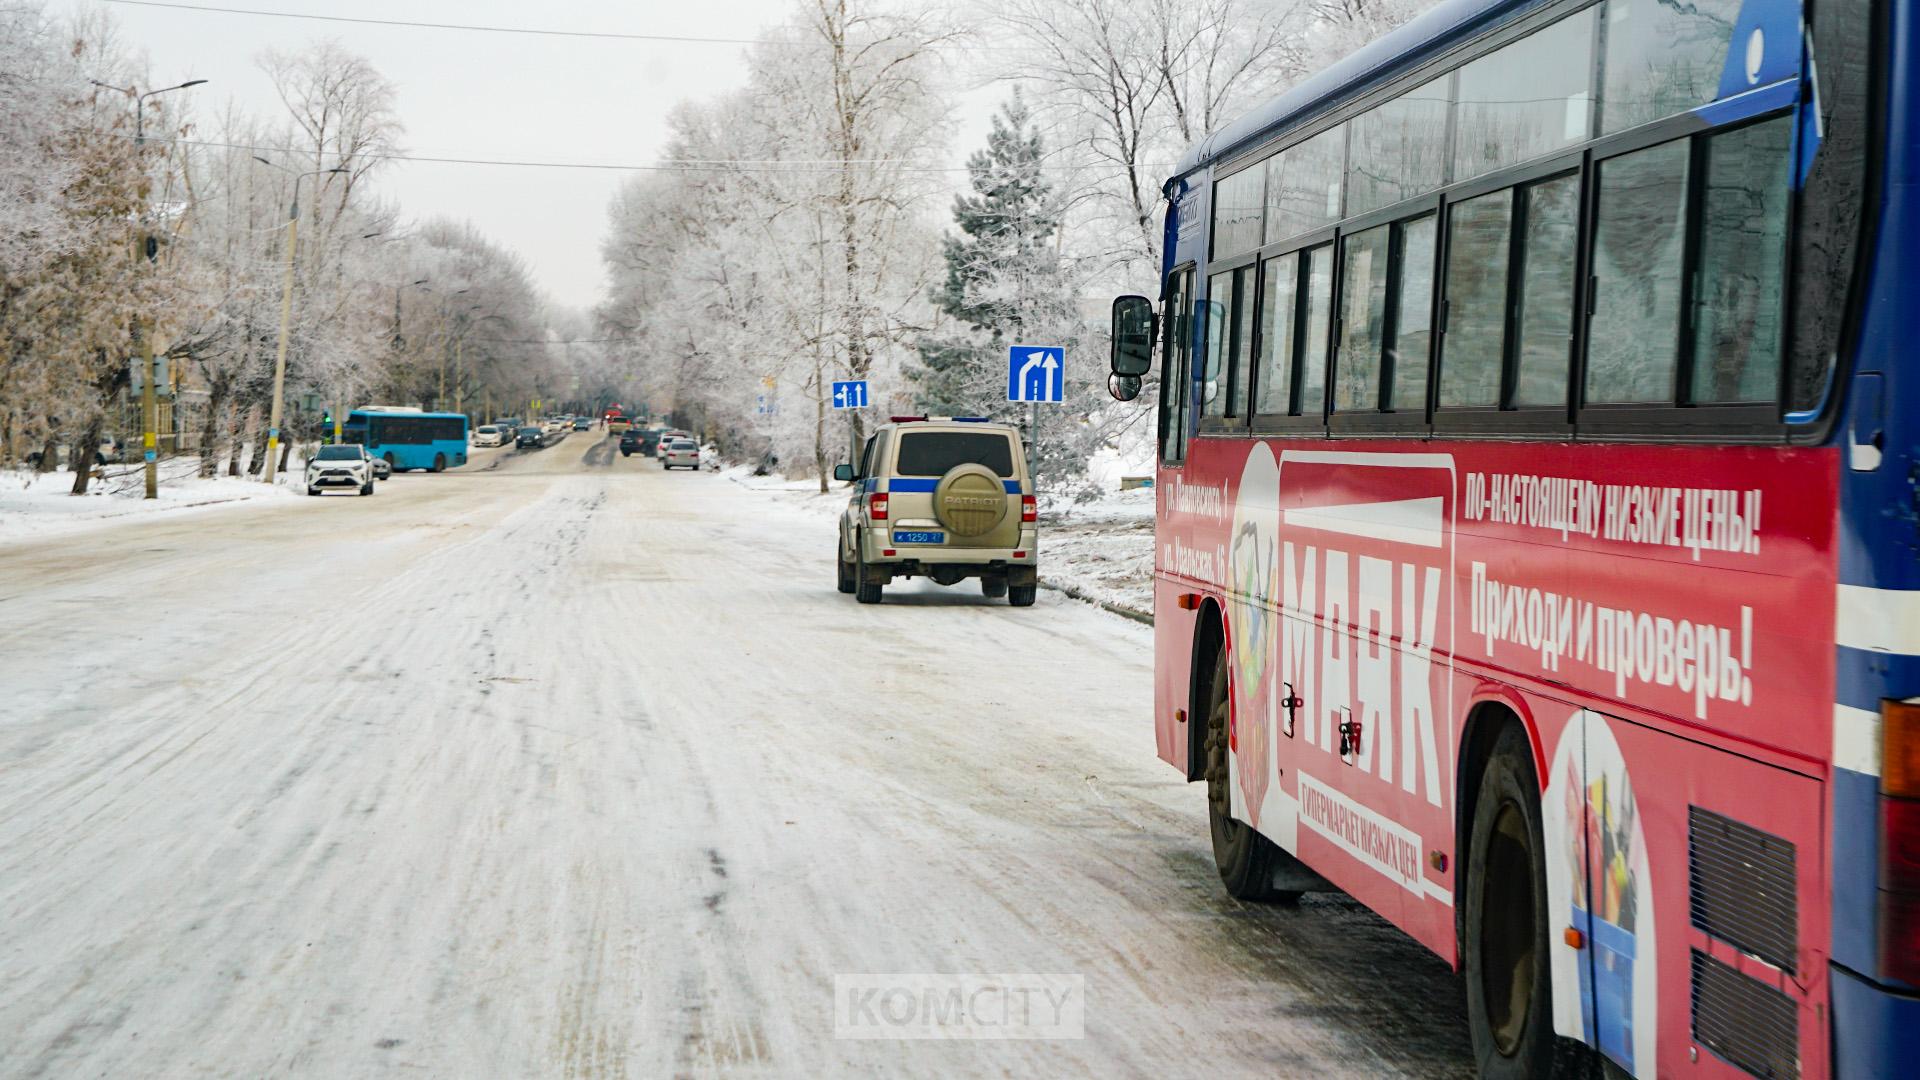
<point x="338" y="453"/>
<point x="683" y="444"/>
<point x="933" y="453"/>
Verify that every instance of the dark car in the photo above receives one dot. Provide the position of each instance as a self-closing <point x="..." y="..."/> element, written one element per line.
<point x="581" y="423"/>
<point x="630" y="442"/>
<point x="650" y="440"/>
<point x="530" y="438"/>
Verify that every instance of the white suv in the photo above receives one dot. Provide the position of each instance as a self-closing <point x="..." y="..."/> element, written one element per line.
<point x="940" y="498"/>
<point x="345" y="465"/>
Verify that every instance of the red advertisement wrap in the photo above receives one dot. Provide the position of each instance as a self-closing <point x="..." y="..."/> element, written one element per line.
<point x="1660" y="618"/>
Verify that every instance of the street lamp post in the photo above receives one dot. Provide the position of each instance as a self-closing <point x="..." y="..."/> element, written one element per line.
<point x="149" y="393"/>
<point x="286" y="311"/>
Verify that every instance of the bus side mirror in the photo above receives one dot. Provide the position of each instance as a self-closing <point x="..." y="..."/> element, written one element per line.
<point x="1132" y="337"/>
<point x="1123" y="387"/>
<point x="843" y="473"/>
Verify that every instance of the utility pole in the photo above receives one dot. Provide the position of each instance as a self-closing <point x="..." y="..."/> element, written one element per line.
<point x="148" y="248"/>
<point x="286" y="314"/>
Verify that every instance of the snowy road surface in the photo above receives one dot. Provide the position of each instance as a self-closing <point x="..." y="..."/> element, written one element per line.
<point x="562" y="766"/>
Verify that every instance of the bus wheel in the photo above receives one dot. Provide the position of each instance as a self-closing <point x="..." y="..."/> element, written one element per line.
<point x="1509" y="980"/>
<point x="439" y="463"/>
<point x="1246" y="860"/>
<point x="390" y="462"/>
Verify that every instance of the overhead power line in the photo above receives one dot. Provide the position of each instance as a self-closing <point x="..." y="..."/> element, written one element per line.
<point x="679" y="39"/>
<point x="687" y="165"/>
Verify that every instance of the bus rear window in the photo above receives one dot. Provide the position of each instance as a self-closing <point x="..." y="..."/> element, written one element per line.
<point x="933" y="453"/>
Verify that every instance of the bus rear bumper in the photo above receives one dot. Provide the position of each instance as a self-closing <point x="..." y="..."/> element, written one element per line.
<point x="1876" y="1030"/>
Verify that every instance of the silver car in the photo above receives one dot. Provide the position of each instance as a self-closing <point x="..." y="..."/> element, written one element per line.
<point x="681" y="454"/>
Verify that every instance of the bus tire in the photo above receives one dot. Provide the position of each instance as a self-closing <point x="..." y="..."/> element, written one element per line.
<point x="391" y="464"/>
<point x="1508" y="964"/>
<point x="1246" y="860"/>
<point x="439" y="463"/>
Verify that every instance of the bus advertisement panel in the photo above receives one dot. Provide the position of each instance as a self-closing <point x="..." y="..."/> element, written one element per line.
<point x="1530" y="418"/>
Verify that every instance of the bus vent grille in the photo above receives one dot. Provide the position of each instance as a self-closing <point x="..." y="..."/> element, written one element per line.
<point x="1751" y="1025"/>
<point x="1742" y="887"/>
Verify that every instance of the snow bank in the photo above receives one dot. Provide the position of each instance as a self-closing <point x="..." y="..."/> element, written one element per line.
<point x="33" y="506"/>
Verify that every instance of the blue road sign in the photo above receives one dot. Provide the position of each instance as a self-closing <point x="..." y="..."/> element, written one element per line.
<point x="850" y="395"/>
<point x="1036" y="372"/>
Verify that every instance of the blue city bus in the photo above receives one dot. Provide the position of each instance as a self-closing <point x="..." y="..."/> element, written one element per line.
<point x="1480" y="353"/>
<point x="409" y="439"/>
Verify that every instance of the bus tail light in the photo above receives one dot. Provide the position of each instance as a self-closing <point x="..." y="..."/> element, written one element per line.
<point x="1029" y="508"/>
<point x="877" y="506"/>
<point x="1900" y="840"/>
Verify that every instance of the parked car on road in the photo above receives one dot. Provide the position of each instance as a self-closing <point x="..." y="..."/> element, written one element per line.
<point x="682" y="454"/>
<point x="488" y="435"/>
<point x="940" y="498"/>
<point x="344" y="465"/>
<point x="530" y="438"/>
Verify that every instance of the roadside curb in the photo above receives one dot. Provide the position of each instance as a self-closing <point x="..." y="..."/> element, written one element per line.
<point x="1145" y="618"/>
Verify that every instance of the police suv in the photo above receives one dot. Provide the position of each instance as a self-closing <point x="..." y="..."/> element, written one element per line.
<point x="946" y="498"/>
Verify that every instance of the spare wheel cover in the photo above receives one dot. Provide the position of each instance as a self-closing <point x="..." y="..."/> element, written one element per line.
<point x="970" y="500"/>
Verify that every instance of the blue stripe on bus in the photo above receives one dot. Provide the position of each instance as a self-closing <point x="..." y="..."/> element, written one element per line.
<point x="1855" y="842"/>
<point x="1861" y="678"/>
<point x="906" y="486"/>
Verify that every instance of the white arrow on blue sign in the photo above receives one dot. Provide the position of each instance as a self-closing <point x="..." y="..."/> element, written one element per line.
<point x="850" y="395"/>
<point x="1036" y="372"/>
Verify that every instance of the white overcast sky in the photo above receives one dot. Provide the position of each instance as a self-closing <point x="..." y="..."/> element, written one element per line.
<point x="498" y="96"/>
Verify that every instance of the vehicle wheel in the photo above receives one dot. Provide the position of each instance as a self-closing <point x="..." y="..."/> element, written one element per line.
<point x="391" y="464"/>
<point x="313" y="490"/>
<point x="1246" y="860"/>
<point x="843" y="574"/>
<point x="1022" y="595"/>
<point x="864" y="591"/>
<point x="439" y="463"/>
<point x="993" y="588"/>
<point x="366" y="488"/>
<point x="1508" y="973"/>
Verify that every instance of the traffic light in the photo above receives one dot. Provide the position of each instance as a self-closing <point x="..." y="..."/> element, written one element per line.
<point x="326" y="425"/>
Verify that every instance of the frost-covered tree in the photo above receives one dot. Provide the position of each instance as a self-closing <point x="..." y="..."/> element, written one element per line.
<point x="1005" y="279"/>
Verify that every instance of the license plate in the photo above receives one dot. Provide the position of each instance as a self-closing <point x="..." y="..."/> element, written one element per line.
<point x="914" y="536"/>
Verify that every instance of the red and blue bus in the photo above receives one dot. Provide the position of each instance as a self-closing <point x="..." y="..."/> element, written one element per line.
<point x="1536" y="552"/>
<point x="409" y="438"/>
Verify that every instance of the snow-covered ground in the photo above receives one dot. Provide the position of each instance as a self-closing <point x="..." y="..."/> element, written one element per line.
<point x="560" y="765"/>
<point x="41" y="505"/>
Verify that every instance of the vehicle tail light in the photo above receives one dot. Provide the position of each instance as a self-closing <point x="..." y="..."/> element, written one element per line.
<point x="877" y="506"/>
<point x="1900" y="840"/>
<point x="1029" y="508"/>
